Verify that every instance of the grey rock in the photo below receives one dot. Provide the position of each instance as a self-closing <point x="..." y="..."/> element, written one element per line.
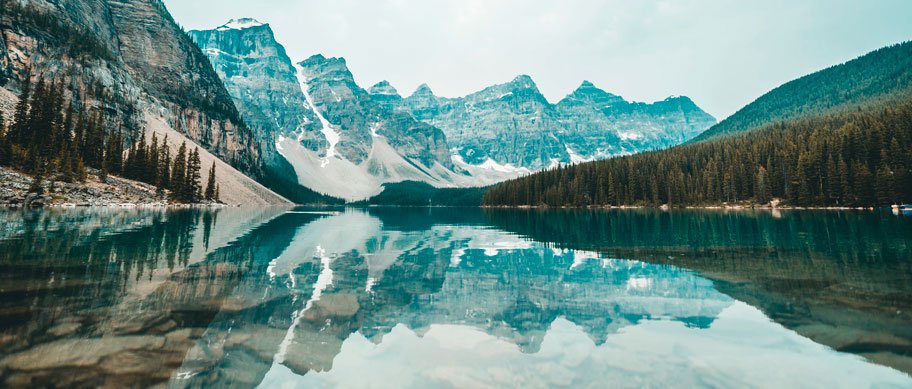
<point x="142" y="59"/>
<point x="262" y="81"/>
<point x="385" y="94"/>
<point x="260" y="78"/>
<point x="514" y="123"/>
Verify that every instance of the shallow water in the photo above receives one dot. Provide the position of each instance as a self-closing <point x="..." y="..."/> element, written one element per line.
<point x="391" y="297"/>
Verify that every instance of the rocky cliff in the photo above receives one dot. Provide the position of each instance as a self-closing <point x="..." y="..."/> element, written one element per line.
<point x="131" y="58"/>
<point x="337" y="138"/>
<point x="260" y="77"/>
<point x="514" y="125"/>
<point x="346" y="141"/>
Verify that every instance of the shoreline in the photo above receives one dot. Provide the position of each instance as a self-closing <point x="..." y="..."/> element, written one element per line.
<point x="115" y="192"/>
<point x="664" y="208"/>
<point x="699" y="207"/>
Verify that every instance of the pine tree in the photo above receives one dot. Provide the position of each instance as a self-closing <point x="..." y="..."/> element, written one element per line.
<point x="164" y="166"/>
<point x="194" y="190"/>
<point x="210" y="185"/>
<point x="141" y="160"/>
<point x="67" y="172"/>
<point x="179" y="174"/>
<point x="6" y="150"/>
<point x="103" y="173"/>
<point x="885" y="186"/>
<point x="114" y="153"/>
<point x="37" y="186"/>
<point x="763" y="187"/>
<point x="20" y="128"/>
<point x="79" y="169"/>
<point x="152" y="170"/>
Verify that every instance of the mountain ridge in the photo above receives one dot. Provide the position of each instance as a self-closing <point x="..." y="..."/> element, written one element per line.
<point x="513" y="123"/>
<point x="880" y="72"/>
<point x="340" y="141"/>
<point x="810" y="148"/>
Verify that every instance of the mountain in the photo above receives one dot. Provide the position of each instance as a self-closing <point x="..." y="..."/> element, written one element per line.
<point x="131" y="60"/>
<point x="261" y="80"/>
<point x="610" y="125"/>
<point x="385" y="94"/>
<point x="818" y="146"/>
<point x="512" y="126"/>
<point x="342" y="140"/>
<point x="878" y="74"/>
<point x="336" y="138"/>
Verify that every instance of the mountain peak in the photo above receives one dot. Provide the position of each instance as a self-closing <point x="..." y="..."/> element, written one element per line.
<point x="523" y="81"/>
<point x="681" y="101"/>
<point x="423" y="90"/>
<point x="320" y="59"/>
<point x="678" y="98"/>
<point x="383" y="88"/>
<point x="587" y="91"/>
<point x="240" y="24"/>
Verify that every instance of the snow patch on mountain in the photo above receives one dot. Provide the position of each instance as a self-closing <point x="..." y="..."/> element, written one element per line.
<point x="489" y="172"/>
<point x="576" y="158"/>
<point x="342" y="179"/>
<point x="630" y="135"/>
<point x="332" y="137"/>
<point x="347" y="180"/>
<point x="213" y="52"/>
<point x="240" y="24"/>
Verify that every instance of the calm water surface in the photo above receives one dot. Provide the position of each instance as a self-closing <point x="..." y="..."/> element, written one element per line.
<point x="455" y="298"/>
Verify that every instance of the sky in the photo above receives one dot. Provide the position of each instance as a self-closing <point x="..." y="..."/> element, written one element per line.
<point x="723" y="54"/>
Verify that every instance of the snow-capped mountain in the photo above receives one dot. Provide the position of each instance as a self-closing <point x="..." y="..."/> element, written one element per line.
<point x="261" y="80"/>
<point x="338" y="140"/>
<point x="342" y="140"/>
<point x="514" y="125"/>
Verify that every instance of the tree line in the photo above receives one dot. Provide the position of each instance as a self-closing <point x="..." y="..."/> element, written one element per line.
<point x="152" y="163"/>
<point x="858" y="156"/>
<point x="53" y="138"/>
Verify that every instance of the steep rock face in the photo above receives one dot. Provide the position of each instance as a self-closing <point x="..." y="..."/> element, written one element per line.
<point x="608" y="125"/>
<point x="135" y="53"/>
<point x="347" y="108"/>
<point x="260" y="77"/>
<point x="508" y="123"/>
<point x="315" y="118"/>
<point x="385" y="95"/>
<point x="513" y="124"/>
<point x="359" y="118"/>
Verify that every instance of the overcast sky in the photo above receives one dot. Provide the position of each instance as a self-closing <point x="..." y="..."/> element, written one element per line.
<point x="721" y="53"/>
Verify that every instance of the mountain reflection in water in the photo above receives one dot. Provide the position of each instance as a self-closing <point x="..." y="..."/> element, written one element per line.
<point x="445" y="297"/>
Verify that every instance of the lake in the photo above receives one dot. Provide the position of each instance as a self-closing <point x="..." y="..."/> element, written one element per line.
<point x="437" y="297"/>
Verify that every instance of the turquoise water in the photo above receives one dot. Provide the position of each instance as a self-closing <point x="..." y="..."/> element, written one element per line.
<point x="388" y="297"/>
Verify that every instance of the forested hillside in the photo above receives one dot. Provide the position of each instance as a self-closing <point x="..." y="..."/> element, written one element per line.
<point x="880" y="73"/>
<point x="853" y="157"/>
<point x="54" y="139"/>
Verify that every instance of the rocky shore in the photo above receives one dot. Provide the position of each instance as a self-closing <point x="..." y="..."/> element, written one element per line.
<point x="115" y="191"/>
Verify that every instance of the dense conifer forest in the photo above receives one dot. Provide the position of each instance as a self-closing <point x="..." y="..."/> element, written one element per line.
<point x="858" y="156"/>
<point x="54" y="139"/>
<point x="882" y="72"/>
<point x="420" y="194"/>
